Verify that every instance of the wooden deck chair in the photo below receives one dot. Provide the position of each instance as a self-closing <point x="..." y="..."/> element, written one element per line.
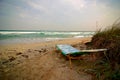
<point x="73" y="53"/>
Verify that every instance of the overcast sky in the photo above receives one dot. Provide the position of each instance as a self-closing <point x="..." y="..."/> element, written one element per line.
<point x="66" y="15"/>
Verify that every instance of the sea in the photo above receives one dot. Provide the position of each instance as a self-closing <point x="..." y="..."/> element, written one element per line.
<point x="31" y="36"/>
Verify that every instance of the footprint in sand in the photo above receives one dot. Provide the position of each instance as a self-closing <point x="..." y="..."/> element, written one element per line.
<point x="18" y="53"/>
<point x="11" y="58"/>
<point x="25" y="56"/>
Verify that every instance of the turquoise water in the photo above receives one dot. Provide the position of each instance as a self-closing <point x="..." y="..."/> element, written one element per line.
<point x="18" y="36"/>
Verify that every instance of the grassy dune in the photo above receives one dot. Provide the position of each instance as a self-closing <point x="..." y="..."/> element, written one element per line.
<point x="108" y="65"/>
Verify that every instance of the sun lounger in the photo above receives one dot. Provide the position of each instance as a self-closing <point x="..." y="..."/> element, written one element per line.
<point x="73" y="53"/>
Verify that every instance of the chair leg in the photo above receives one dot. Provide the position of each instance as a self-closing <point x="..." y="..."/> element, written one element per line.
<point x="70" y="61"/>
<point x="70" y="64"/>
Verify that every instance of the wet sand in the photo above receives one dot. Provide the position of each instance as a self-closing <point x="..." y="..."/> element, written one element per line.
<point x="40" y="61"/>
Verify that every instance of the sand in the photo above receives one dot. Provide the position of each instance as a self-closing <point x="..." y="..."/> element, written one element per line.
<point x="40" y="61"/>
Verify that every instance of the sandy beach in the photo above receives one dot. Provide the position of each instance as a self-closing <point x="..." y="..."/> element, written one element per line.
<point x="40" y="61"/>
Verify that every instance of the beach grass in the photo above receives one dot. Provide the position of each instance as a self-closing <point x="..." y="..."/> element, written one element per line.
<point x="108" y="65"/>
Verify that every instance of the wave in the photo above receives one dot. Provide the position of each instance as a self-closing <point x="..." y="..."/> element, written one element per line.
<point x="46" y="33"/>
<point x="42" y="34"/>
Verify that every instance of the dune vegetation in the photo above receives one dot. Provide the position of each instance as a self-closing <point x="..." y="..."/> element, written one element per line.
<point x="107" y="67"/>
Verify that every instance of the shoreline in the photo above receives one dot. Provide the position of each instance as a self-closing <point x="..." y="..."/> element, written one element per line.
<point x="33" y="40"/>
<point x="43" y="40"/>
<point x="66" y="40"/>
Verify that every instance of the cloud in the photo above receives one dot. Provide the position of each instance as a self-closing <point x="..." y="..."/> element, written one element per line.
<point x="37" y="6"/>
<point x="75" y="4"/>
<point x="23" y="15"/>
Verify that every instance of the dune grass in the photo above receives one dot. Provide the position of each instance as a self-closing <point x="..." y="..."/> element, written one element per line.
<point x="108" y="65"/>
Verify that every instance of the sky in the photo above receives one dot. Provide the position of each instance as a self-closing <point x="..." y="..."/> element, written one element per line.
<point x="60" y="15"/>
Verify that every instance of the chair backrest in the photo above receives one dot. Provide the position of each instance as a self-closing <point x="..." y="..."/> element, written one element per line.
<point x="67" y="49"/>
